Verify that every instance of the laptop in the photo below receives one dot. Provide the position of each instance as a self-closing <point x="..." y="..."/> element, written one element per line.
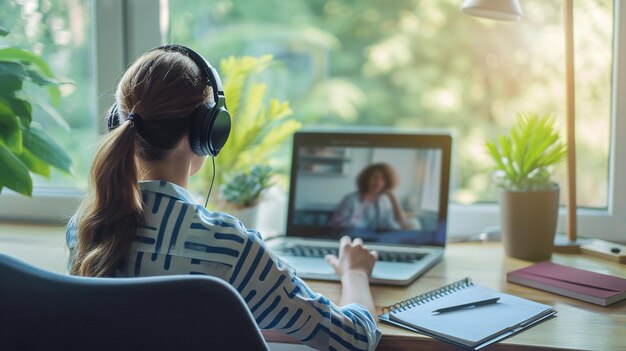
<point x="389" y="189"/>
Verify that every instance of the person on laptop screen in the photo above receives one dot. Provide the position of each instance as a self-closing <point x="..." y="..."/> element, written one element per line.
<point x="373" y="205"/>
<point x="139" y="219"/>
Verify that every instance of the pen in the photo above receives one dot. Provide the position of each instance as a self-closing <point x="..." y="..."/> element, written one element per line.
<point x="469" y="304"/>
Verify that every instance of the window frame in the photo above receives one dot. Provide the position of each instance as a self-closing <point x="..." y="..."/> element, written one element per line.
<point x="126" y="28"/>
<point x="608" y="224"/>
<point x="123" y="30"/>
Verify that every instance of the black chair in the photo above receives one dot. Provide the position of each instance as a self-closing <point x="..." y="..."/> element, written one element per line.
<point x="40" y="310"/>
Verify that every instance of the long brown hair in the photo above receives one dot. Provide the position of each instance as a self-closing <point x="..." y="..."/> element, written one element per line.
<point x="163" y="88"/>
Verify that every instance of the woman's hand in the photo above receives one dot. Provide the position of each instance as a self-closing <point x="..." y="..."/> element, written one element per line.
<point x="353" y="257"/>
<point x="354" y="266"/>
<point x="398" y="213"/>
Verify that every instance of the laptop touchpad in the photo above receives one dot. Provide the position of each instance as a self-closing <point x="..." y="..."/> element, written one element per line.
<point x="386" y="270"/>
<point x="313" y="265"/>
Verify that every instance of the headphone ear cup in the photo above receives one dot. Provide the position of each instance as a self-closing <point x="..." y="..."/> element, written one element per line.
<point x="199" y="129"/>
<point x="209" y="129"/>
<point x="220" y="130"/>
<point x="113" y="120"/>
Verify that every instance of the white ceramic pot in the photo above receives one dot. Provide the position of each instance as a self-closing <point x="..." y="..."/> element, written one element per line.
<point x="249" y="216"/>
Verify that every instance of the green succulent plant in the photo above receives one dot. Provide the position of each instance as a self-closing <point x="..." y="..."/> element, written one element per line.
<point x="25" y="147"/>
<point x="526" y="159"/>
<point x="245" y="189"/>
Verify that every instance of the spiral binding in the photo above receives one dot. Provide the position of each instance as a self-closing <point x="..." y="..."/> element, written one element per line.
<point x="429" y="296"/>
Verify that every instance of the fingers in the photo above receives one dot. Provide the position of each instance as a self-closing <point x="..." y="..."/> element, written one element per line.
<point x="357" y="242"/>
<point x="332" y="260"/>
<point x="344" y="242"/>
<point x="375" y="254"/>
<point x="353" y="255"/>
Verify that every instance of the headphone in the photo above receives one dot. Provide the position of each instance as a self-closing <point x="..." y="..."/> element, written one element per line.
<point x="210" y="122"/>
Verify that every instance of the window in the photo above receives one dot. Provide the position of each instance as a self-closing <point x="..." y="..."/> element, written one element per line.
<point x="423" y="64"/>
<point x="87" y="43"/>
<point x="60" y="32"/>
<point x="426" y="65"/>
<point x="418" y="65"/>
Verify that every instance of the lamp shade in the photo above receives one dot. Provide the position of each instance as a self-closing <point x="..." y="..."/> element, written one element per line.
<point x="503" y="10"/>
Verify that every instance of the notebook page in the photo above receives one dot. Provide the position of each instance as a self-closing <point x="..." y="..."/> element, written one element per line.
<point x="471" y="326"/>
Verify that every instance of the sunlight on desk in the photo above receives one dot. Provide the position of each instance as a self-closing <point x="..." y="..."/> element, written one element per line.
<point x="578" y="325"/>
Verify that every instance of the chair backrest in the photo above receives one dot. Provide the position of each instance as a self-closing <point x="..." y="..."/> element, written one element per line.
<point x="40" y="310"/>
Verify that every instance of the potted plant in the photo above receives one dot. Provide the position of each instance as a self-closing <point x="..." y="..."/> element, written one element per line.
<point x="259" y="122"/>
<point x="529" y="199"/>
<point x="25" y="147"/>
<point x="243" y="192"/>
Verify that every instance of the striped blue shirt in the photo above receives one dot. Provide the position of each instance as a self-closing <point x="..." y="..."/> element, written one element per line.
<point x="181" y="237"/>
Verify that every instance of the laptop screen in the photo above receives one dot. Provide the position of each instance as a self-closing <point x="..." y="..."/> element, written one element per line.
<point x="383" y="188"/>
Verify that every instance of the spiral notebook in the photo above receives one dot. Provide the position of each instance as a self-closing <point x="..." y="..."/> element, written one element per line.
<point x="472" y="327"/>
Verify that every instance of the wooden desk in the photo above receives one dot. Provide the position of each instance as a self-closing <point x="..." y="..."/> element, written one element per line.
<point x="578" y="325"/>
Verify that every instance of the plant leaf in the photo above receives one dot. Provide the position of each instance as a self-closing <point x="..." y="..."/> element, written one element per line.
<point x="279" y="110"/>
<point x="22" y="108"/>
<point x="10" y="68"/>
<point x="12" y="76"/>
<point x="525" y="158"/>
<point x="13" y="173"/>
<point x="43" y="147"/>
<point x="273" y="139"/>
<point x="3" y="33"/>
<point x="34" y="163"/>
<point x="492" y="149"/>
<point x="19" y="55"/>
<point x="28" y="58"/>
<point x="253" y="104"/>
<point x="39" y="78"/>
<point x="234" y="81"/>
<point x="52" y="112"/>
<point x="10" y="133"/>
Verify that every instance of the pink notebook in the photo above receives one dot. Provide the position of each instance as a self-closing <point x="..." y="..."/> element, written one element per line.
<point x="597" y="288"/>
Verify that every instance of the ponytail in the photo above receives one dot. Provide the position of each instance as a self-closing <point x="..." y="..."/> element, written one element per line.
<point x="112" y="211"/>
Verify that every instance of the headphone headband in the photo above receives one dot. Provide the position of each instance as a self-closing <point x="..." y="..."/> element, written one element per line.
<point x="210" y="124"/>
<point x="210" y="74"/>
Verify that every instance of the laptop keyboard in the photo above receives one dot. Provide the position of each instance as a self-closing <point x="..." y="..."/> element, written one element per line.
<point x="383" y="256"/>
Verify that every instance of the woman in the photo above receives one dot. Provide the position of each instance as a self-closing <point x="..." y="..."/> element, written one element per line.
<point x="139" y="219"/>
<point x="373" y="205"/>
